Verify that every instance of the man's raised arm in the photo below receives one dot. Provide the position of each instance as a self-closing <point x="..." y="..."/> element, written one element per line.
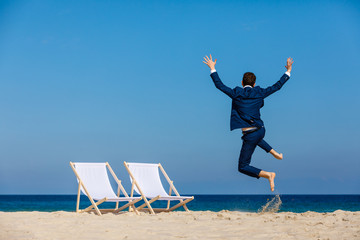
<point x="276" y="87"/>
<point x="216" y="79"/>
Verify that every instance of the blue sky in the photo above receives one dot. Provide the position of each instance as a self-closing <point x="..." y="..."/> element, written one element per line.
<point x="124" y="81"/>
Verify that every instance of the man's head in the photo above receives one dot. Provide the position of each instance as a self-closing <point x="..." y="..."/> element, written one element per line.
<point x="249" y="79"/>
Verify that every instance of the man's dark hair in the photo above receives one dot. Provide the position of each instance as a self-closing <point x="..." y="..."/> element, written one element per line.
<point x="249" y="78"/>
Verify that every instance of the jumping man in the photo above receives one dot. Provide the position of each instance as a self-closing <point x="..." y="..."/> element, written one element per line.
<point x="245" y="114"/>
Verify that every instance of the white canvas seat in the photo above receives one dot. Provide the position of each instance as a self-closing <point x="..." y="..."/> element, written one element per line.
<point x="146" y="181"/>
<point x="94" y="182"/>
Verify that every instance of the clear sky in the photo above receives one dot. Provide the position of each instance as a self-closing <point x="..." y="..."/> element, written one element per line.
<point x="124" y="81"/>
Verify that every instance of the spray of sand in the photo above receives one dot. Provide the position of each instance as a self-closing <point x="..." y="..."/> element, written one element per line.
<point x="271" y="206"/>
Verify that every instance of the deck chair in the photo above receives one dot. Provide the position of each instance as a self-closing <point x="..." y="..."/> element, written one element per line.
<point x="146" y="181"/>
<point x="94" y="183"/>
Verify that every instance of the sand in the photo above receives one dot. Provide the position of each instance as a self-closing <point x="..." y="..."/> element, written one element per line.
<point x="180" y="225"/>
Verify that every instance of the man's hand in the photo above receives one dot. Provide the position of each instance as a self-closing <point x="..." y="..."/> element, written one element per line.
<point x="289" y="63"/>
<point x="210" y="62"/>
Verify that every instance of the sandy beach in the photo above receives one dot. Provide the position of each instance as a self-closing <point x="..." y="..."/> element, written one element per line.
<point x="180" y="225"/>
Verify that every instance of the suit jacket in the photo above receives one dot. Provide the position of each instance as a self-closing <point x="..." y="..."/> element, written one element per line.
<point x="247" y="101"/>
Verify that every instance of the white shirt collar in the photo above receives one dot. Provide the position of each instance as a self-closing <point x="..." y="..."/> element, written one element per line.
<point x="247" y="86"/>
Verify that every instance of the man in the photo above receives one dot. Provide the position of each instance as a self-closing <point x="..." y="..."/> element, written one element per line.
<point x="245" y="114"/>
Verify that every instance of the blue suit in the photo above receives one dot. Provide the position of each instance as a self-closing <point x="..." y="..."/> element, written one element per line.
<point x="245" y="112"/>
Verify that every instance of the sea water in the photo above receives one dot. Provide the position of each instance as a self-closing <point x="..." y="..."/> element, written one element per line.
<point x="245" y="203"/>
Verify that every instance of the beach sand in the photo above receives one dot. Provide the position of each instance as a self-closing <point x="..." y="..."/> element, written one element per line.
<point x="180" y="225"/>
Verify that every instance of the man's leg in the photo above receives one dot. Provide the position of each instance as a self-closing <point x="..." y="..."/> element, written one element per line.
<point x="248" y="147"/>
<point x="264" y="145"/>
<point x="244" y="160"/>
<point x="250" y="141"/>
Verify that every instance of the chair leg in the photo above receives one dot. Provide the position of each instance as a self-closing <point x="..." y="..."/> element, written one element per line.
<point x="186" y="208"/>
<point x="94" y="205"/>
<point x="127" y="205"/>
<point x="147" y="203"/>
<point x="78" y="198"/>
<point x="181" y="204"/>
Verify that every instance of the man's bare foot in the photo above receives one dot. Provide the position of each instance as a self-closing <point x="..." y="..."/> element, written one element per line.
<point x="276" y="154"/>
<point x="271" y="180"/>
<point x="269" y="176"/>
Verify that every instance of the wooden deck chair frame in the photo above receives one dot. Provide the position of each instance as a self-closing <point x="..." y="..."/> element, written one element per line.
<point x="148" y="202"/>
<point x="94" y="205"/>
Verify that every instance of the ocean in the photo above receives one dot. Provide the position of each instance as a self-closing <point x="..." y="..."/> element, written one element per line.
<point x="243" y="203"/>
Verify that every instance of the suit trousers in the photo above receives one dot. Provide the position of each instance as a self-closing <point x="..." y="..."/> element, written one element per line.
<point x="250" y="141"/>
